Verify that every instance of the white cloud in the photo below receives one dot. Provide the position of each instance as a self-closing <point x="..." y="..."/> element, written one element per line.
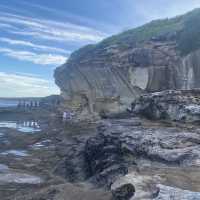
<point x="4" y="25"/>
<point x="69" y="16"/>
<point x="61" y="36"/>
<point x="42" y="59"/>
<point x="49" y="29"/>
<point x="34" y="46"/>
<point x="41" y="30"/>
<point x="19" y="85"/>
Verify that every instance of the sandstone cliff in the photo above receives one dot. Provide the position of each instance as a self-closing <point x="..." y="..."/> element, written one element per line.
<point x="161" y="55"/>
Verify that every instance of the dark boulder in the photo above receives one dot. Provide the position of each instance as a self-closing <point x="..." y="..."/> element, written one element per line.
<point x="104" y="158"/>
<point x="169" y="105"/>
<point x="124" y="192"/>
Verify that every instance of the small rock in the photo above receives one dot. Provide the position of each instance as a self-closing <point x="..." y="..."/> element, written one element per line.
<point x="124" y="192"/>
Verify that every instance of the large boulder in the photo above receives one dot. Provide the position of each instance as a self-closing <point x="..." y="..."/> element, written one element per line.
<point x="123" y="192"/>
<point x="169" y="105"/>
<point x="134" y="186"/>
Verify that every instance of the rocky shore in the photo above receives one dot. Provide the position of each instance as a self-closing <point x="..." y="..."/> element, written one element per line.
<point x="130" y="156"/>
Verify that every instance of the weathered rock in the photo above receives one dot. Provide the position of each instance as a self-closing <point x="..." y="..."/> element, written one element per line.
<point x="134" y="186"/>
<point x="107" y="77"/>
<point x="124" y="192"/>
<point x="169" y="105"/>
<point x="104" y="159"/>
<point x="120" y="144"/>
<point x="163" y="144"/>
<point x="73" y="167"/>
<point x="170" y="193"/>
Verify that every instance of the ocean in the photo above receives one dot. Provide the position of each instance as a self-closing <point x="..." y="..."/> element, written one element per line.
<point x="4" y="103"/>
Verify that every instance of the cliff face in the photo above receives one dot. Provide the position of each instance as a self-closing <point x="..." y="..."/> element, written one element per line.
<point x="107" y="77"/>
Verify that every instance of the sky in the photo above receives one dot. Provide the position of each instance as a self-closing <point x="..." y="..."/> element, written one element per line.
<point x="38" y="35"/>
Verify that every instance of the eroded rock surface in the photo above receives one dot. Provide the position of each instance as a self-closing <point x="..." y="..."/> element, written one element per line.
<point x="109" y="155"/>
<point x="105" y="159"/>
<point x="135" y="151"/>
<point x="73" y="167"/>
<point x="109" y="75"/>
<point x="169" y="105"/>
<point x="164" y="144"/>
<point x="123" y="192"/>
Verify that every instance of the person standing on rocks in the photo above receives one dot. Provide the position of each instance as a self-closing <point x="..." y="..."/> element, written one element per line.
<point x="64" y="116"/>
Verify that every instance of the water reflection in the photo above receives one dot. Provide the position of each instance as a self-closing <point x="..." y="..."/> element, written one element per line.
<point x="19" y="178"/>
<point x="22" y="126"/>
<point x="3" y="168"/>
<point x="1" y="135"/>
<point x="42" y="144"/>
<point x="20" y="153"/>
<point x="9" y="175"/>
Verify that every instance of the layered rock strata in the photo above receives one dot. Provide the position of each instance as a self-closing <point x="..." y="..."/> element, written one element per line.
<point x="106" y="77"/>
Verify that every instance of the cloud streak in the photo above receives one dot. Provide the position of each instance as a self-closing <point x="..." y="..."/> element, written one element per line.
<point x="36" y="58"/>
<point x="42" y="31"/>
<point x="40" y="41"/>
<point x="34" y="46"/>
<point x="49" y="29"/>
<point x="69" y="16"/>
<point x="16" y="85"/>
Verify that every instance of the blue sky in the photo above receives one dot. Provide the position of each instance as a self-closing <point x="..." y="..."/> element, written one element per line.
<point x="38" y="35"/>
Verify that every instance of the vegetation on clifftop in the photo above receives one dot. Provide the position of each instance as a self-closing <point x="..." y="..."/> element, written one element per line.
<point x="184" y="29"/>
<point x="189" y="37"/>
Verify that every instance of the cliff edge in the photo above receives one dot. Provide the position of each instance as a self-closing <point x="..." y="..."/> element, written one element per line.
<point x="108" y="76"/>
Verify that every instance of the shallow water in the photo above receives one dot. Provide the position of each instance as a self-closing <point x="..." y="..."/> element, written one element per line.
<point x="42" y="144"/>
<point x="20" y="153"/>
<point x="3" y="168"/>
<point x="19" y="178"/>
<point x="24" y="127"/>
<point x="8" y="175"/>
<point x="7" y="103"/>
